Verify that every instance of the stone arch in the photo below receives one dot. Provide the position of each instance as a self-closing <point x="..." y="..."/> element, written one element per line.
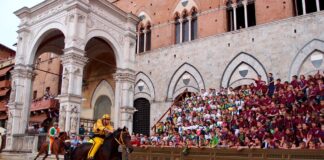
<point x="148" y="90"/>
<point x="111" y="40"/>
<point x="303" y="53"/>
<point x="245" y="58"/>
<point x="103" y="89"/>
<point x="189" y="5"/>
<point x="146" y="19"/>
<point x="103" y="106"/>
<point x="183" y="69"/>
<point x="39" y="37"/>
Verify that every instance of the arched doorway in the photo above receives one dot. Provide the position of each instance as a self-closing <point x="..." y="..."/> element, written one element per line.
<point x="46" y="84"/>
<point x="98" y="82"/>
<point x="141" y="119"/>
<point x="102" y="106"/>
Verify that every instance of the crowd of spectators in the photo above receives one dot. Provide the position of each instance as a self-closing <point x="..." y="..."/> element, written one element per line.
<point x="285" y="115"/>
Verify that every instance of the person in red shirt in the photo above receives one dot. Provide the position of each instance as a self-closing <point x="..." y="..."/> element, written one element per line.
<point x="294" y="81"/>
<point x="278" y="85"/>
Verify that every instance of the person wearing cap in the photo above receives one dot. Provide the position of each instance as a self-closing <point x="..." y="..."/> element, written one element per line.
<point x="100" y="129"/>
<point x="53" y="133"/>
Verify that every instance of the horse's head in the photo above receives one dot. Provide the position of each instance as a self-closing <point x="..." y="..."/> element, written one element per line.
<point x="63" y="136"/>
<point x="123" y="138"/>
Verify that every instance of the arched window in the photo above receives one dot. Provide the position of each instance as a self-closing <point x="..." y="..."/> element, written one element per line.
<point x="144" y="38"/>
<point x="240" y="15"/>
<point x="148" y="38"/>
<point x="194" y="24"/>
<point x="308" y="6"/>
<point x="185" y="28"/>
<point x="102" y="106"/>
<point x="141" y="40"/>
<point x="177" y="29"/>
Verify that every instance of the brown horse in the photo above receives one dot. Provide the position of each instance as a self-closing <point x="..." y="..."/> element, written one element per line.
<point x="109" y="149"/>
<point x="58" y="146"/>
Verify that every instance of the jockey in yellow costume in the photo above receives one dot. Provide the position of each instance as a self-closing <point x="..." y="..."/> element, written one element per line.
<point x="100" y="129"/>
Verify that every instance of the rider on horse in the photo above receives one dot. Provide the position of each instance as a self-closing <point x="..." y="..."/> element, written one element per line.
<point x="100" y="129"/>
<point x="53" y="133"/>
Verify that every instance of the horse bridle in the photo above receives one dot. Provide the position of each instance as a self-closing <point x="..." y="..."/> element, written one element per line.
<point x="121" y="140"/>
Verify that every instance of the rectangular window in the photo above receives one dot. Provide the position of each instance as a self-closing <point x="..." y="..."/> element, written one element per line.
<point x="185" y="30"/>
<point x="34" y="94"/>
<point x="311" y="6"/>
<point x="251" y="14"/>
<point x="148" y="40"/>
<point x="240" y="18"/>
<point x="177" y="32"/>
<point x="299" y="7"/>
<point x="230" y="21"/>
<point x="194" y="28"/>
<point x="141" y="42"/>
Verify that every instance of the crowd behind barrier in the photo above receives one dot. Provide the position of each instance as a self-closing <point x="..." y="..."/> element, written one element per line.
<point x="284" y="115"/>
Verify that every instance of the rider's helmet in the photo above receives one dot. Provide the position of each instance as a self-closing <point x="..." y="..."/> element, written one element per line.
<point x="106" y="116"/>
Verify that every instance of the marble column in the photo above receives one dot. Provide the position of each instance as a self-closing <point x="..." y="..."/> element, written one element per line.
<point x="144" y="32"/>
<point x="189" y="21"/>
<point x="180" y="21"/>
<point x="245" y="13"/>
<point x="124" y="98"/>
<point x="234" y="15"/>
<point x="19" y="103"/>
<point x="318" y="5"/>
<point x="73" y="63"/>
<point x="304" y="7"/>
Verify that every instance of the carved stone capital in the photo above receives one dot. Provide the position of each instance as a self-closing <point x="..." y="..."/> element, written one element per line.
<point x="129" y="110"/>
<point x="21" y="71"/>
<point x="69" y="98"/>
<point x="125" y="76"/>
<point x="244" y="2"/>
<point x="234" y="5"/>
<point x="74" y="56"/>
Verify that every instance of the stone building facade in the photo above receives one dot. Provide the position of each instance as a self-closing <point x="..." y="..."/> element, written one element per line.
<point x="7" y="61"/>
<point x="138" y="56"/>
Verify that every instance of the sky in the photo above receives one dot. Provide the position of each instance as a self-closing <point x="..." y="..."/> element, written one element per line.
<point x="9" y="21"/>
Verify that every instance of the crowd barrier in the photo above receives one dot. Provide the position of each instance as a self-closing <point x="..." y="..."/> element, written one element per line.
<point x="156" y="153"/>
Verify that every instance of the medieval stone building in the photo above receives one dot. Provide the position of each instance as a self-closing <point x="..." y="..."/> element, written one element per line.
<point x="132" y="58"/>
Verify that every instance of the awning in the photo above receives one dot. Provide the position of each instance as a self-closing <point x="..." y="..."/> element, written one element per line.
<point x="38" y="118"/>
<point x="44" y="104"/>
<point x="4" y="71"/>
<point x="3" y="92"/>
<point x="3" y="106"/>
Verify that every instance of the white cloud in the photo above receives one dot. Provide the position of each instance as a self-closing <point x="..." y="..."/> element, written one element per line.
<point x="8" y="27"/>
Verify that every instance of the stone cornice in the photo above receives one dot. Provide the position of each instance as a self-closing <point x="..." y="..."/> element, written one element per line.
<point x="68" y="98"/>
<point x="119" y="11"/>
<point x="78" y="5"/>
<point x="27" y="11"/>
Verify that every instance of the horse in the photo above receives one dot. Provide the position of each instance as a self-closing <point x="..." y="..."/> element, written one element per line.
<point x="58" y="146"/>
<point x="109" y="148"/>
